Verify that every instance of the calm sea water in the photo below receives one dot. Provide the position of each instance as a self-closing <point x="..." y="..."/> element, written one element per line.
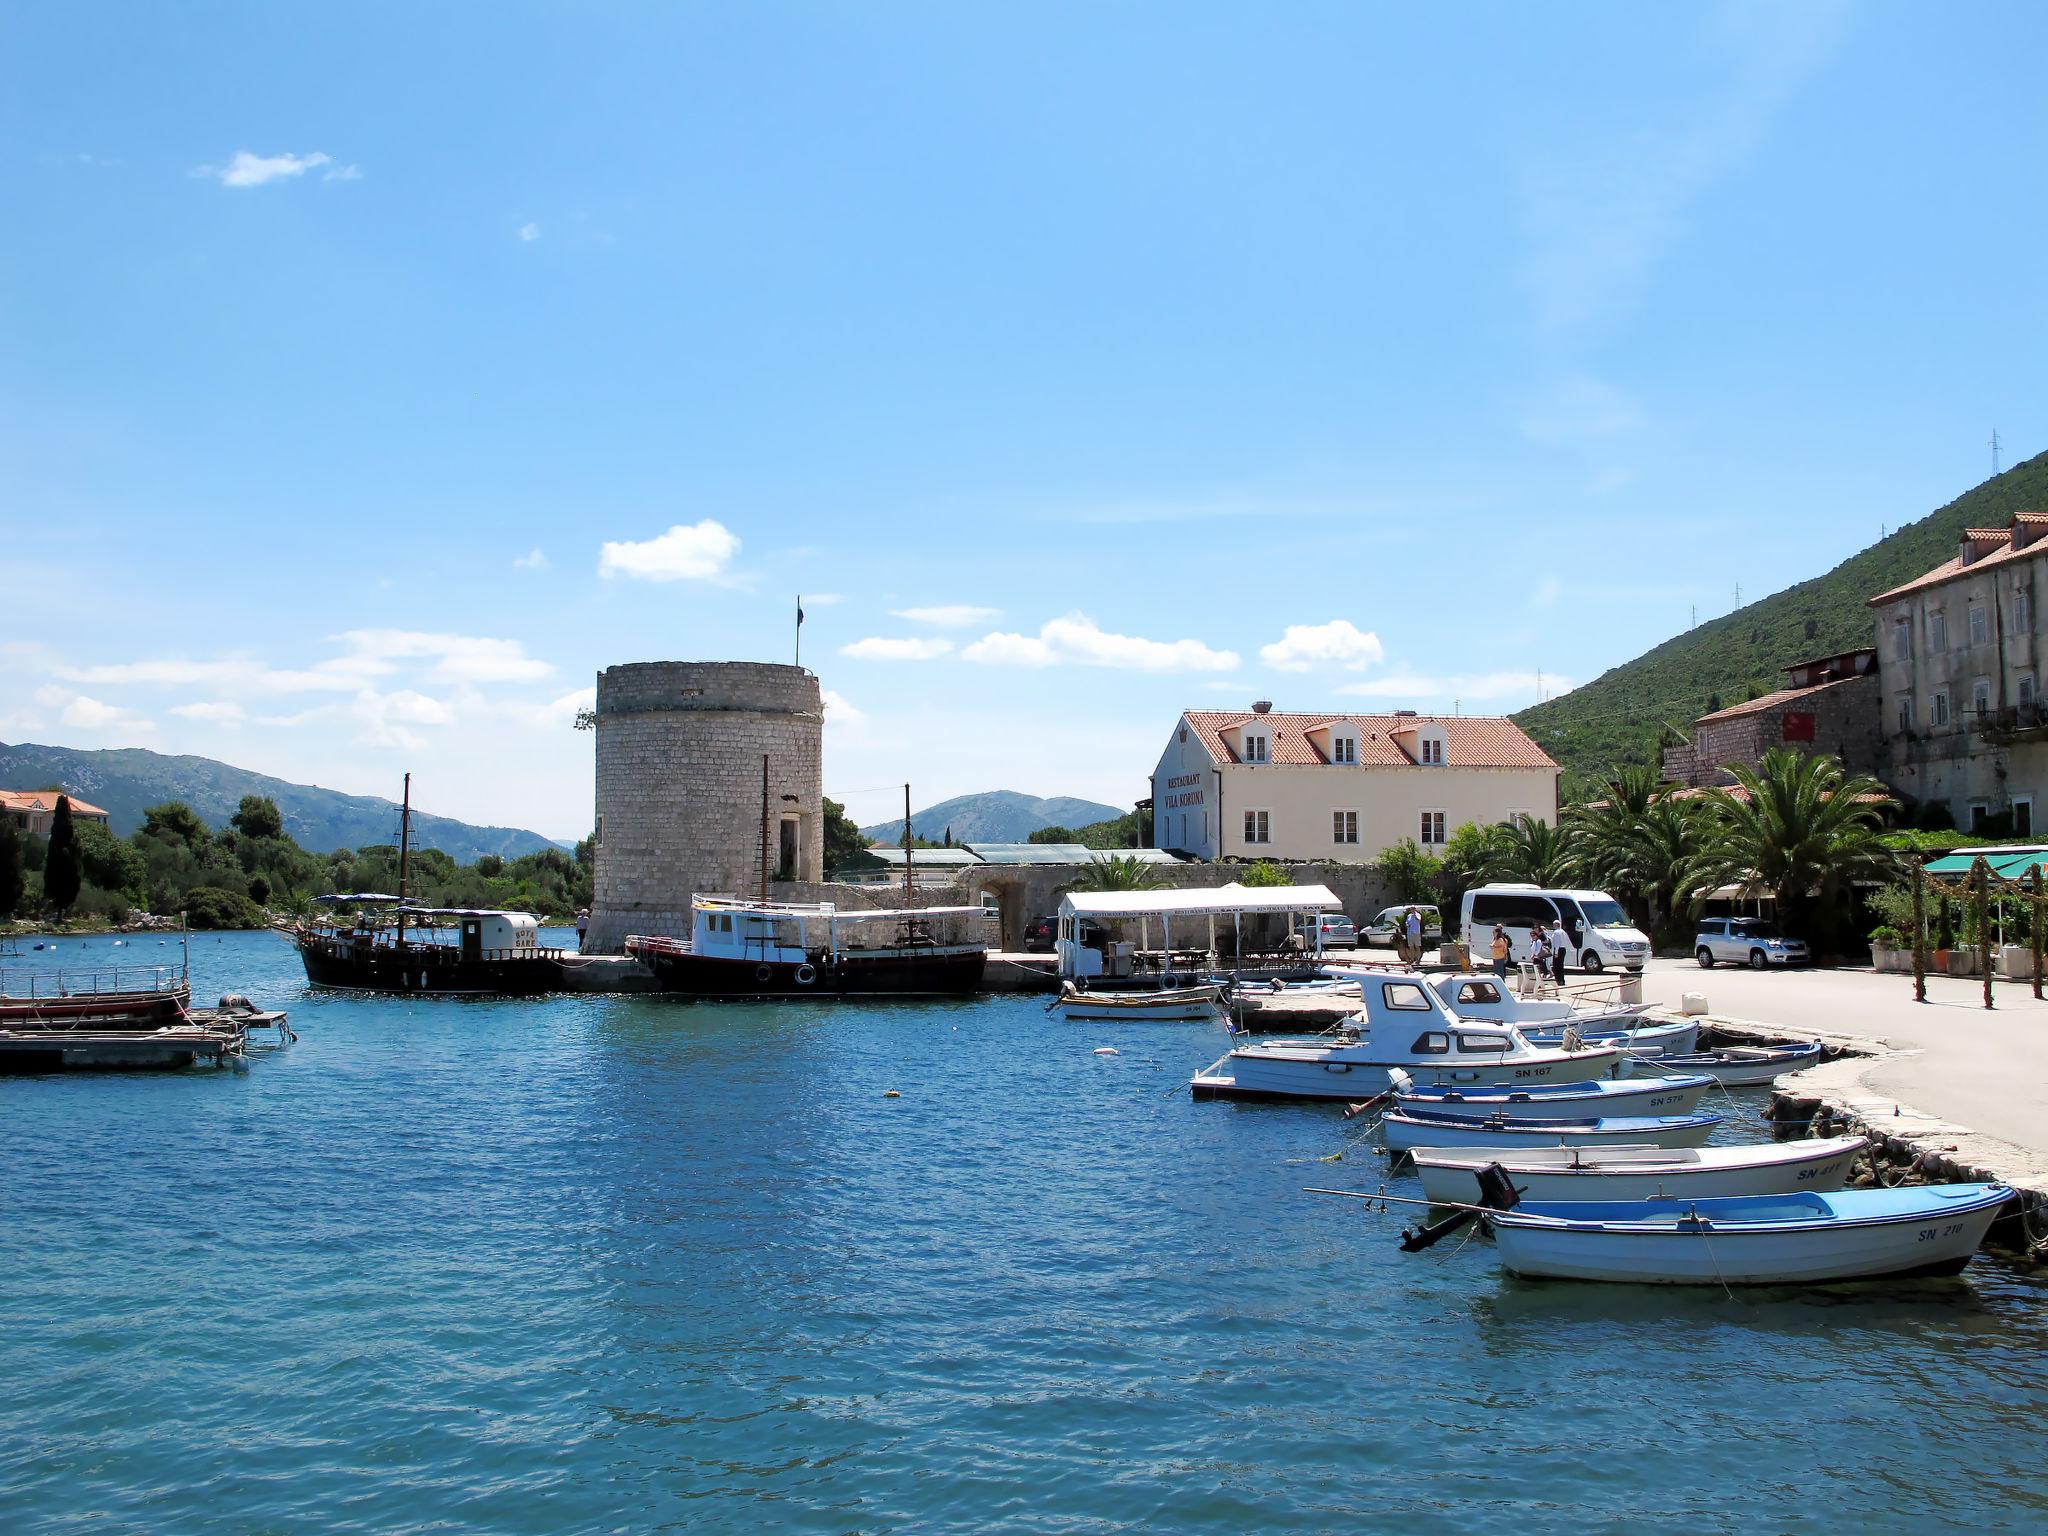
<point x="611" y="1264"/>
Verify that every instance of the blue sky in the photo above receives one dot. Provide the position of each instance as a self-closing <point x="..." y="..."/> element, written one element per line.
<point x="359" y="363"/>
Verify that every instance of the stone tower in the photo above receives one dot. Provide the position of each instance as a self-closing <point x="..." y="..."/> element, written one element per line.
<point x="679" y="749"/>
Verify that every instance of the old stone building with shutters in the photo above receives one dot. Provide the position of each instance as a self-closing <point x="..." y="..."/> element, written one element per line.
<point x="1829" y="704"/>
<point x="680" y="801"/>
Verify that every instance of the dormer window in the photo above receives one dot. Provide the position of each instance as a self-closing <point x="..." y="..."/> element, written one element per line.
<point x="1343" y="749"/>
<point x="1430" y="751"/>
<point x="1255" y="747"/>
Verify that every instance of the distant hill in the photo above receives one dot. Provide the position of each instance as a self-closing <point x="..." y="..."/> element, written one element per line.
<point x="126" y="781"/>
<point x="997" y="816"/>
<point x="1618" y="717"/>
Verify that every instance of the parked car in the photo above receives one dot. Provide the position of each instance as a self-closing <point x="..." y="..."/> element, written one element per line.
<point x="1386" y="928"/>
<point x="1335" y="930"/>
<point x="1752" y="941"/>
<point x="1039" y="934"/>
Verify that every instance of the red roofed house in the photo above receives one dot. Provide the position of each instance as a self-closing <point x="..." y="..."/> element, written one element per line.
<point x="1961" y="656"/>
<point x="32" y="809"/>
<point x="1830" y="705"/>
<point x="1254" y="784"/>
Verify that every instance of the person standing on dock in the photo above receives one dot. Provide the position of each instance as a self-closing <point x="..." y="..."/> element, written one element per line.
<point x="1411" y="951"/>
<point x="1503" y="951"/>
<point x="1560" y="946"/>
<point x="582" y="926"/>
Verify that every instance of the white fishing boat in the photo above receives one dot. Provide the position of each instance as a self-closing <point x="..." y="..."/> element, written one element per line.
<point x="1486" y="998"/>
<point x="1738" y="1066"/>
<point x="1148" y="1003"/>
<point x="1408" y="1129"/>
<point x="1550" y="1101"/>
<point x="1648" y="1038"/>
<point x="1806" y="1238"/>
<point x="1405" y="1025"/>
<point x="1450" y="1174"/>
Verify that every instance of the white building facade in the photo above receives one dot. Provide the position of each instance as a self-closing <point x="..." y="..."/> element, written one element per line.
<point x="1253" y="784"/>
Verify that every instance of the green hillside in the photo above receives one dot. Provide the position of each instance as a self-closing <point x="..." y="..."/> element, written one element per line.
<point x="1617" y="717"/>
<point x="125" y="781"/>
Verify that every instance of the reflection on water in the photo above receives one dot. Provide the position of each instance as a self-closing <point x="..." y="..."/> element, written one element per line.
<point x="615" y="1263"/>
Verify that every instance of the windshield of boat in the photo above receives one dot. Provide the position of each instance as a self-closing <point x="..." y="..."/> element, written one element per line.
<point x="1605" y="912"/>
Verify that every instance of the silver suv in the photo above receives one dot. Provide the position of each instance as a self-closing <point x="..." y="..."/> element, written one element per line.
<point x="1752" y="941"/>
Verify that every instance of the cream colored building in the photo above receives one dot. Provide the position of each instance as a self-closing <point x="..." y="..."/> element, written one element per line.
<point x="1254" y="784"/>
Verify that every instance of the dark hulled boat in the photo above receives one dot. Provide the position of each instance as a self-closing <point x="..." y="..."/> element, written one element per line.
<point x="756" y="949"/>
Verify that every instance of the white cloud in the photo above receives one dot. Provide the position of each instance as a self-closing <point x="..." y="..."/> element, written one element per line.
<point x="947" y="615"/>
<point x="837" y="709"/>
<point x="219" y="712"/>
<point x="344" y="173"/>
<point x="83" y="713"/>
<point x="887" y="648"/>
<point x="385" y="717"/>
<point x="242" y="674"/>
<point x="1078" y="640"/>
<point x="534" y="559"/>
<point x="460" y="658"/>
<point x="555" y="714"/>
<point x="823" y="599"/>
<point x="1463" y="685"/>
<point x="528" y="233"/>
<point x="1339" y="643"/>
<point x="699" y="551"/>
<point x="247" y="170"/>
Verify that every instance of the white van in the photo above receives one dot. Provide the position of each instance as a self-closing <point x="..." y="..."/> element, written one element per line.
<point x="1600" y="932"/>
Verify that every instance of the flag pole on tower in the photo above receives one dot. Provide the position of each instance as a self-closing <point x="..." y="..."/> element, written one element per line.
<point x="799" y="629"/>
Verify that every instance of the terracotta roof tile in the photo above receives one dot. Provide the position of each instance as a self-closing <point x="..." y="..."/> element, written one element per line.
<point x="1999" y="548"/>
<point x="1775" y="700"/>
<point x="1470" y="741"/>
<point x="41" y="800"/>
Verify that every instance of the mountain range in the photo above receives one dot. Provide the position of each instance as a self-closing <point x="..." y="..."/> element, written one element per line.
<point x="1620" y="716"/>
<point x="995" y="816"/>
<point x="127" y="780"/>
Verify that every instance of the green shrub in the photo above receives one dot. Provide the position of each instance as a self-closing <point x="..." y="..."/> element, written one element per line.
<point x="1887" y="937"/>
<point x="208" y="906"/>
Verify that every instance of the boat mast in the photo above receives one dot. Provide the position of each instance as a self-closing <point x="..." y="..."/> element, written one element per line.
<point x="404" y="852"/>
<point x="764" y="827"/>
<point x="909" y="892"/>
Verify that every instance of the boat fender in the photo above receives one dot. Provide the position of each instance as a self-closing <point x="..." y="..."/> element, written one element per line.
<point x="763" y="973"/>
<point x="806" y="974"/>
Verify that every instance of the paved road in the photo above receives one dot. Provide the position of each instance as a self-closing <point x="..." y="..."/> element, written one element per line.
<point x="1987" y="1071"/>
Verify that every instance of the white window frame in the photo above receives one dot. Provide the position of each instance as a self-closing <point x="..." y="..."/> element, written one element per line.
<point x="1980" y="697"/>
<point x="1436" y="828"/>
<point x="1902" y="639"/>
<point x="1258" y="833"/>
<point x="1980" y="626"/>
<point x="2024" y="689"/>
<point x="1344" y="749"/>
<point x="1937" y="707"/>
<point x="1256" y="747"/>
<point x="1429" y="751"/>
<point x="1937" y="629"/>
<point x="1344" y="828"/>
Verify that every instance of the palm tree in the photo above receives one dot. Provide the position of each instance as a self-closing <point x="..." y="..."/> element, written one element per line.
<point x="1602" y="836"/>
<point x="1799" y="827"/>
<point x="1653" y="857"/>
<point x="1118" y="872"/>
<point x="1534" y="851"/>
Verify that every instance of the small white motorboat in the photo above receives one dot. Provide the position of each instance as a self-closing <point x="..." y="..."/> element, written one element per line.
<point x="1596" y="1173"/>
<point x="1403" y="1025"/>
<point x="1737" y="1066"/>
<point x="1484" y="997"/>
<point x="1797" y="1239"/>
<point x="1178" y="1003"/>
<point x="1408" y="1129"/>
<point x="1647" y="1039"/>
<point x="1550" y="1101"/>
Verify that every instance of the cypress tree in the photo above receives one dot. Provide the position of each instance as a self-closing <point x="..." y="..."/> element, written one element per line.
<point x="64" y="867"/>
<point x="12" y="882"/>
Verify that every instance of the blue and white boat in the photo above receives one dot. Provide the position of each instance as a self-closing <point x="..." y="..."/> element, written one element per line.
<point x="1739" y="1066"/>
<point x="1408" y="1129"/>
<point x="1797" y="1239"/>
<point x="1450" y="1174"/>
<point x="1651" y="1038"/>
<point x="1550" y="1101"/>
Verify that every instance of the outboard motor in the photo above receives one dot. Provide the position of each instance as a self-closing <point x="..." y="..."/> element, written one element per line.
<point x="1497" y="1192"/>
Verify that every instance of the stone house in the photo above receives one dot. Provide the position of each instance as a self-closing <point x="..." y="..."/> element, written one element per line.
<point x="1829" y="704"/>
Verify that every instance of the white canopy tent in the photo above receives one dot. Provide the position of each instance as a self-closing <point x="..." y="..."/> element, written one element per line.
<point x="1194" y="911"/>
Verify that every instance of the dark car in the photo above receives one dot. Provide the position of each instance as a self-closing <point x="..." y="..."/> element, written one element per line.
<point x="1040" y="932"/>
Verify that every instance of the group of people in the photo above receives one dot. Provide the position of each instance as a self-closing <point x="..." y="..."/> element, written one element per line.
<point x="1549" y="948"/>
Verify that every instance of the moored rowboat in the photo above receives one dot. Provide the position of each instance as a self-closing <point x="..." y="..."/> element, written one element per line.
<point x="1408" y="1129"/>
<point x="1198" y="1002"/>
<point x="1738" y="1066"/>
<point x="1549" y="1101"/>
<point x="1597" y="1173"/>
<point x="1805" y="1238"/>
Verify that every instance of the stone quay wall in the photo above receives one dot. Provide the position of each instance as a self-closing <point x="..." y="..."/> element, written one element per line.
<point x="679" y="749"/>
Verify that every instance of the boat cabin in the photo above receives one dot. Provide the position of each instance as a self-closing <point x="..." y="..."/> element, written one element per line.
<point x="793" y="933"/>
<point x="489" y="934"/>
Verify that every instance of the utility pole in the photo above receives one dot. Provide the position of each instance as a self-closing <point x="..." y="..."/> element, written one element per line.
<point x="1994" y="452"/>
<point x="909" y="891"/>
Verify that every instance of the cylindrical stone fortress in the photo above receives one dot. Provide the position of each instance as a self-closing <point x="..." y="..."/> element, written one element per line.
<point x="679" y="749"/>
